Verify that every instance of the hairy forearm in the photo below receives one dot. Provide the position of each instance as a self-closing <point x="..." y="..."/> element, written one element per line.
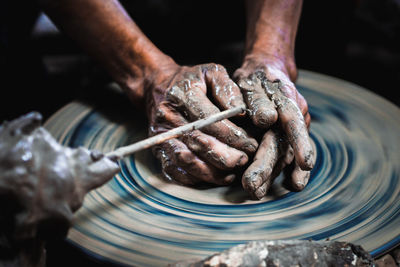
<point x="272" y="27"/>
<point x="106" y="31"/>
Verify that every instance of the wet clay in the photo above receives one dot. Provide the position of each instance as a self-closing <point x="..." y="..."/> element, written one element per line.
<point x="292" y="122"/>
<point x="287" y="253"/>
<point x="41" y="185"/>
<point x="213" y="154"/>
<point x="272" y="108"/>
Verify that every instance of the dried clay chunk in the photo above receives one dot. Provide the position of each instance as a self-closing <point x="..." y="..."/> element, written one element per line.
<point x="41" y="182"/>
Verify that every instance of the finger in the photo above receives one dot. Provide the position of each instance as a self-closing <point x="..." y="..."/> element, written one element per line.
<point x="299" y="178"/>
<point x="225" y="92"/>
<point x="307" y="120"/>
<point x="260" y="192"/>
<point x="180" y="157"/>
<point x="232" y="135"/>
<point x="172" y="173"/>
<point x="195" y="104"/>
<point x="285" y="157"/>
<point x="164" y="119"/>
<point x="213" y="151"/>
<point x="259" y="172"/>
<point x="293" y="123"/>
<point x="263" y="112"/>
<point x="288" y="156"/>
<point x="205" y="146"/>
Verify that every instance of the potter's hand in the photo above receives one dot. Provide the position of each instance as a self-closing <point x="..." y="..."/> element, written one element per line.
<point x="44" y="182"/>
<point x="274" y="102"/>
<point x="266" y="79"/>
<point x="212" y="154"/>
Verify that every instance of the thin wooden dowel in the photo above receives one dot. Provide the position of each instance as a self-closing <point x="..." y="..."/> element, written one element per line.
<point x="160" y="138"/>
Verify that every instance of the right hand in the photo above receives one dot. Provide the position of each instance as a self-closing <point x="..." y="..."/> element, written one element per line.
<point x="268" y="88"/>
<point x="180" y="95"/>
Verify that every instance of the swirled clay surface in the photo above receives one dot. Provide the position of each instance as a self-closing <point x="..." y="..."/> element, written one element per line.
<point x="353" y="194"/>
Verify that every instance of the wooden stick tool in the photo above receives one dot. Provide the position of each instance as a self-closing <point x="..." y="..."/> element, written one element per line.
<point x="160" y="138"/>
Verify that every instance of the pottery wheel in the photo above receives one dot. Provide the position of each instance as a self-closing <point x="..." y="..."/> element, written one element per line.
<point x="139" y="219"/>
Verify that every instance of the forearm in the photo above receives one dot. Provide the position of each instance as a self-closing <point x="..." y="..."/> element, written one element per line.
<point x="272" y="27"/>
<point x="108" y="34"/>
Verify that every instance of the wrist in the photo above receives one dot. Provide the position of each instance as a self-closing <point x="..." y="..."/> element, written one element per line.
<point x="144" y="68"/>
<point x="270" y="40"/>
<point x="267" y="61"/>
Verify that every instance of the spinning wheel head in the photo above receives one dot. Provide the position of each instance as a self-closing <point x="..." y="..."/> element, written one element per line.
<point x="353" y="194"/>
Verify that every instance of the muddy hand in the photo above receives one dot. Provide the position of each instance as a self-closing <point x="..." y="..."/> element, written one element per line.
<point x="212" y="154"/>
<point x="273" y="155"/>
<point x="272" y="97"/>
<point x="274" y="100"/>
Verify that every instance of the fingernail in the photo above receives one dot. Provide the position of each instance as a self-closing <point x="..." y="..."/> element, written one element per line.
<point x="300" y="186"/>
<point x="260" y="192"/>
<point x="252" y="145"/>
<point x="302" y="180"/>
<point x="242" y="160"/>
<point x="251" y="181"/>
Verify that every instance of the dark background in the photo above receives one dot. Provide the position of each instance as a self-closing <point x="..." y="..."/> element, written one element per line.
<point x="354" y="40"/>
<point x="43" y="70"/>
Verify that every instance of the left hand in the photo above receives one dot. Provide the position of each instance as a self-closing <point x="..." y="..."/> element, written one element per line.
<point x="269" y="92"/>
<point x="181" y="94"/>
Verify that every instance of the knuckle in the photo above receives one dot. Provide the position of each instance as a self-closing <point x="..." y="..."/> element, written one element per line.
<point x="215" y="67"/>
<point x="160" y="114"/>
<point x="289" y="90"/>
<point x="219" y="67"/>
<point x="265" y="117"/>
<point x="196" y="136"/>
<point x="238" y="74"/>
<point x="259" y="74"/>
<point x="174" y="94"/>
<point x="245" y="83"/>
<point x="184" y="157"/>
<point x="252" y="179"/>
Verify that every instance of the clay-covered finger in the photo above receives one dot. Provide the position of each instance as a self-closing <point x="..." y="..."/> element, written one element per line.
<point x="263" y="112"/>
<point x="293" y="124"/>
<point x="173" y="173"/>
<point x="259" y="172"/>
<point x="297" y="134"/>
<point x="205" y="146"/>
<point x="262" y="191"/>
<point x="213" y="151"/>
<point x="225" y="92"/>
<point x="299" y="178"/>
<point x="192" y="101"/>
<point x="180" y="157"/>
